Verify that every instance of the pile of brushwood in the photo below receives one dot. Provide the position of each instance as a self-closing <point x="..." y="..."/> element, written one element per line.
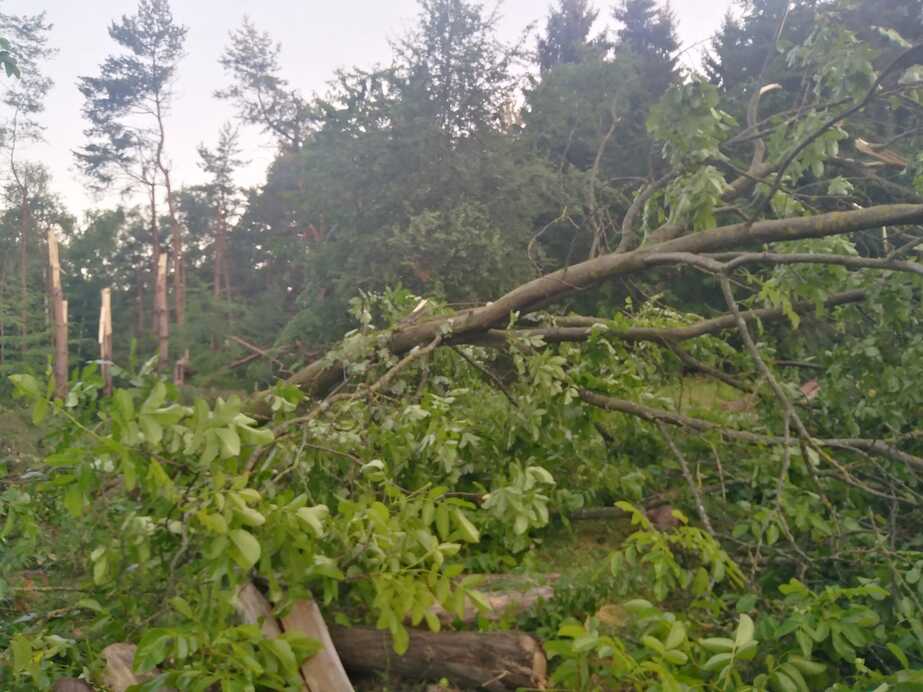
<point x="390" y="481"/>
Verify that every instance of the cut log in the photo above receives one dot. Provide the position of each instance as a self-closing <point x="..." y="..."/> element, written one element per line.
<point x="119" y="674"/>
<point x="498" y="605"/>
<point x="491" y="660"/>
<point x="71" y="685"/>
<point x="324" y="671"/>
<point x="254" y="609"/>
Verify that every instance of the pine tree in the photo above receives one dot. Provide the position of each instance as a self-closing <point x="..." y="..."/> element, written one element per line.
<point x="124" y="146"/>
<point x="259" y="92"/>
<point x="567" y="35"/>
<point x="454" y="70"/>
<point x="23" y="101"/>
<point x="220" y="164"/>
<point x="647" y="32"/>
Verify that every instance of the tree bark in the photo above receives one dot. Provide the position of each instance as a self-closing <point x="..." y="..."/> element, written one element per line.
<point x="321" y="375"/>
<point x="105" y="339"/>
<point x="491" y="660"/>
<point x="59" y="313"/>
<point x="160" y="314"/>
<point x="24" y="217"/>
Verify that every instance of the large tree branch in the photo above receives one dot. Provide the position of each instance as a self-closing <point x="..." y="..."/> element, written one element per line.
<point x="653" y="415"/>
<point x="321" y="375"/>
<point x="579" y="328"/>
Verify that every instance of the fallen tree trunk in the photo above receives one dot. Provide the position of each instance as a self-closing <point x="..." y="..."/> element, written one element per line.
<point x="319" y="377"/>
<point x="490" y="660"/>
<point x="499" y="604"/>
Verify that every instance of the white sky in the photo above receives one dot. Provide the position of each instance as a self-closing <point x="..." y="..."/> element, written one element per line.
<point x="317" y="36"/>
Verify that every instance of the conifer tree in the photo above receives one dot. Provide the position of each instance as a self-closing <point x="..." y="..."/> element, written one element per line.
<point x="567" y="38"/>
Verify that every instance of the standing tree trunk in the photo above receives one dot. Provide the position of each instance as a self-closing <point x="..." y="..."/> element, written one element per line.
<point x="160" y="314"/>
<point x="59" y="312"/>
<point x="139" y="301"/>
<point x="24" y="219"/>
<point x="156" y="251"/>
<point x="105" y="339"/>
<point x="179" y="275"/>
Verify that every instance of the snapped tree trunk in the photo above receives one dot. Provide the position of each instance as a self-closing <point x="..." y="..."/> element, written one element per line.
<point x="105" y="339"/>
<point x="59" y="316"/>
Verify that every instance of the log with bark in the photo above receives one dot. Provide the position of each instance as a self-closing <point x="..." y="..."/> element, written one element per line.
<point x="490" y="660"/>
<point x="70" y="685"/>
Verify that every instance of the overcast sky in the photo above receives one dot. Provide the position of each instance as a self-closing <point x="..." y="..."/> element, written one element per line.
<point x="317" y="36"/>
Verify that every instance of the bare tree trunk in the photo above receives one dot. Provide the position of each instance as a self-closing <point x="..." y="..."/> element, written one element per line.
<point x="59" y="310"/>
<point x="176" y="241"/>
<point x="105" y="339"/>
<point x="179" y="275"/>
<point x="139" y="300"/>
<point x="160" y="314"/>
<point x="24" y="218"/>
<point x="3" y="318"/>
<point x="155" y="249"/>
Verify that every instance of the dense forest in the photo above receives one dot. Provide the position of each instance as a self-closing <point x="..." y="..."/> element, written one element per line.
<point x="557" y="364"/>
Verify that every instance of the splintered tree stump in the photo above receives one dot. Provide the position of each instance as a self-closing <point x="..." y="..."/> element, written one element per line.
<point x="491" y="660"/>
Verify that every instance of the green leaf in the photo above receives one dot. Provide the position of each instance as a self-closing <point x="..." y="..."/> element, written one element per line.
<point x="782" y="683"/>
<point x="283" y="651"/>
<point x="813" y="667"/>
<point x="22" y="653"/>
<point x="467" y="530"/>
<point x="717" y="644"/>
<point x="152" y="649"/>
<point x="677" y="658"/>
<point x="401" y="639"/>
<point x="230" y="442"/>
<point x="744" y="633"/>
<point x="248" y="548"/>
<point x="676" y="636"/>
<point x="717" y="662"/>
<point x="314" y="517"/>
<point x="181" y="606"/>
